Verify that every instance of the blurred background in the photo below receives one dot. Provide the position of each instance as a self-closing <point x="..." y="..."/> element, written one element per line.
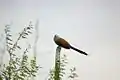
<point x="90" y="25"/>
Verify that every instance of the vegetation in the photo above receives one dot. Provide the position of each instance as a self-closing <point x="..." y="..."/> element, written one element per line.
<point x="58" y="72"/>
<point x="18" y="68"/>
<point x="21" y="68"/>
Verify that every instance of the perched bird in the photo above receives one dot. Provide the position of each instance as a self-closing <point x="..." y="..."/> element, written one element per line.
<point x="63" y="43"/>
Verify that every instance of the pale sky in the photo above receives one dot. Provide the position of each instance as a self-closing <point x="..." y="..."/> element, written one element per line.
<point x="91" y="25"/>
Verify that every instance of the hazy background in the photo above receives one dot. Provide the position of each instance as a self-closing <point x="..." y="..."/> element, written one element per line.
<point x="91" y="25"/>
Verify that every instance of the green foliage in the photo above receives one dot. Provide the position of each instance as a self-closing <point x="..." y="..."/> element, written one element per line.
<point x="57" y="64"/>
<point x="58" y="72"/>
<point x="63" y="62"/>
<point x="73" y="74"/>
<point x="19" y="68"/>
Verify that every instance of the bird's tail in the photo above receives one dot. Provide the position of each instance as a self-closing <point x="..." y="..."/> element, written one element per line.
<point x="78" y="50"/>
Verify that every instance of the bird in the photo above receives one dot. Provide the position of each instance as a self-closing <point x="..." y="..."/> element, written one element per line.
<point x="65" y="44"/>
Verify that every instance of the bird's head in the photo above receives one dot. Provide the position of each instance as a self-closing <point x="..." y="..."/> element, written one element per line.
<point x="56" y="37"/>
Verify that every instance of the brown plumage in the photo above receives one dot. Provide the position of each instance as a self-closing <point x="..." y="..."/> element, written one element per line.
<point x="63" y="43"/>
